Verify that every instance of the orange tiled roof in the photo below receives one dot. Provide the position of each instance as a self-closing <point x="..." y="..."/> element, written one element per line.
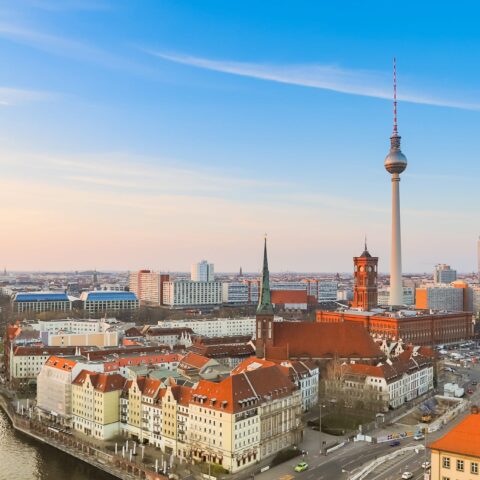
<point x="193" y="360"/>
<point x="61" y="363"/>
<point x="250" y="364"/>
<point x="463" y="439"/>
<point x="242" y="391"/>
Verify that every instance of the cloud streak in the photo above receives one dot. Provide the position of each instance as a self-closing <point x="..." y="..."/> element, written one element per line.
<point x="14" y="96"/>
<point x="327" y="77"/>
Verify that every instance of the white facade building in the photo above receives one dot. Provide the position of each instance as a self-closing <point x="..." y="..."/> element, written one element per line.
<point x="202" y="272"/>
<point x="327" y="291"/>
<point x="184" y="293"/>
<point x="216" y="327"/>
<point x="408" y="296"/>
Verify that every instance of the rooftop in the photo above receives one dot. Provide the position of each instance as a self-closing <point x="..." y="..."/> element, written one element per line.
<point x="463" y="439"/>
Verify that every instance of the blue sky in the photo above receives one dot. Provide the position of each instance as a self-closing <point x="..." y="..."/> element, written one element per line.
<point x="155" y="133"/>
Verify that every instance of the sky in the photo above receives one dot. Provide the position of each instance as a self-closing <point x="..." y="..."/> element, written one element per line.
<point x="155" y="133"/>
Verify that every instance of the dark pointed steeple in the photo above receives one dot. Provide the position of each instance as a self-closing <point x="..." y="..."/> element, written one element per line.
<point x="264" y="299"/>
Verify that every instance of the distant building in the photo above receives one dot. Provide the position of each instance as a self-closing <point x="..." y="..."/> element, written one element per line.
<point x="235" y="293"/>
<point x="290" y="299"/>
<point x="184" y="293"/>
<point x="384" y="296"/>
<point x="148" y="286"/>
<point x="215" y="327"/>
<point x="444" y="274"/>
<point x="457" y="454"/>
<point x="98" y="302"/>
<point x="327" y="291"/>
<point x="202" y="272"/>
<point x="37" y="302"/>
<point x="440" y="297"/>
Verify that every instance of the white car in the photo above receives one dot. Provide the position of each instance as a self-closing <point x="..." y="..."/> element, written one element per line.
<point x="426" y="465"/>
<point x="419" y="436"/>
<point x="407" y="475"/>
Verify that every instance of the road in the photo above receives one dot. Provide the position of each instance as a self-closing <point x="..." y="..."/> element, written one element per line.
<point x="340" y="464"/>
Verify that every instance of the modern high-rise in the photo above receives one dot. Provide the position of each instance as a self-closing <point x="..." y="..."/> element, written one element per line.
<point x="202" y="272"/>
<point x="185" y="293"/>
<point x="440" y="297"/>
<point x="148" y="286"/>
<point x="444" y="274"/>
<point x="395" y="164"/>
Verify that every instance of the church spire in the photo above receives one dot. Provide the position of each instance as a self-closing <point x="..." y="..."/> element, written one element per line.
<point x="264" y="299"/>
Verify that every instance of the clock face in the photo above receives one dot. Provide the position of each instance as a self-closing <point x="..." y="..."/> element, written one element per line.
<point x="362" y="268"/>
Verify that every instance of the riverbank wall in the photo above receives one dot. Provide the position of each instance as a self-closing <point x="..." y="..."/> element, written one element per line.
<point x="114" y="465"/>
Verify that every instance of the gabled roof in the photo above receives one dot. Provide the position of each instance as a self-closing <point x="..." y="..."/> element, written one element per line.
<point x="463" y="439"/>
<point x="324" y="340"/>
<point x="193" y="360"/>
<point x="244" y="390"/>
<point x="101" y="381"/>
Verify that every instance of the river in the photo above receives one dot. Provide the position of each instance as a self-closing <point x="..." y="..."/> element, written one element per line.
<point x="22" y="458"/>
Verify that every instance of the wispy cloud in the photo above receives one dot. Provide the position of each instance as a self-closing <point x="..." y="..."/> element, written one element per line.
<point x="327" y="77"/>
<point x="63" y="5"/>
<point x="14" y="96"/>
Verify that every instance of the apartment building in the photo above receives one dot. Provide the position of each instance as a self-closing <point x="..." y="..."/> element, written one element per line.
<point x="148" y="286"/>
<point x="382" y="386"/>
<point x="440" y="297"/>
<point x="185" y="293"/>
<point x="232" y="423"/>
<point x="215" y="327"/>
<point x="95" y="404"/>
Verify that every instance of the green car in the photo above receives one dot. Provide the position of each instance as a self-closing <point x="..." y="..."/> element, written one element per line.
<point x="301" y="467"/>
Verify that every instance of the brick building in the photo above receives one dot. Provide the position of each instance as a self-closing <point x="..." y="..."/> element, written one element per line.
<point x="417" y="327"/>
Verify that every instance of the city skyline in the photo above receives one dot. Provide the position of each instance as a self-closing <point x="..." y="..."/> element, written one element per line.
<point x="106" y="150"/>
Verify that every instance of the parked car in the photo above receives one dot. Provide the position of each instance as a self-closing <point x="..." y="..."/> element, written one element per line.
<point x="407" y="475"/>
<point x="426" y="465"/>
<point x="395" y="443"/>
<point x="474" y="382"/>
<point x="469" y="391"/>
<point x="419" y="436"/>
<point x="301" y="467"/>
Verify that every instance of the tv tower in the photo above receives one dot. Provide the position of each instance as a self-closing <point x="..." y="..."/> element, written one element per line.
<point x="395" y="164"/>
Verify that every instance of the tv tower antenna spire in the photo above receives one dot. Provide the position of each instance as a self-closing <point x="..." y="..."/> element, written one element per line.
<point x="395" y="126"/>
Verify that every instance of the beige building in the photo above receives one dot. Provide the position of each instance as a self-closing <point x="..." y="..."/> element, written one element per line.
<point x="96" y="404"/>
<point x="54" y="389"/>
<point x="456" y="456"/>
<point x="98" y="339"/>
<point x="148" y="286"/>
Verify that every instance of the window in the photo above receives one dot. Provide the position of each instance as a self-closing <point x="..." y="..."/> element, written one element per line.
<point x="460" y="465"/>
<point x="474" y="467"/>
<point x="446" y="462"/>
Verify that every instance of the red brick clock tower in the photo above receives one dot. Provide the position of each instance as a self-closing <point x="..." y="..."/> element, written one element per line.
<point x="365" y="294"/>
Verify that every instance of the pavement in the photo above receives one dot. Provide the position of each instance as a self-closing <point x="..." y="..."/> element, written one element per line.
<point x="341" y="463"/>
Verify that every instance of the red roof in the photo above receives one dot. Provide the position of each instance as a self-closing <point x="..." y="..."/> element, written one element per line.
<point x="463" y="439"/>
<point x="322" y="340"/>
<point x="61" y="363"/>
<point x="239" y="392"/>
<point x="282" y="297"/>
<point x="193" y="360"/>
<point x="101" y="381"/>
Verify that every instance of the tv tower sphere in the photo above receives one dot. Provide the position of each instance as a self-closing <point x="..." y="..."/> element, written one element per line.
<point x="395" y="161"/>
